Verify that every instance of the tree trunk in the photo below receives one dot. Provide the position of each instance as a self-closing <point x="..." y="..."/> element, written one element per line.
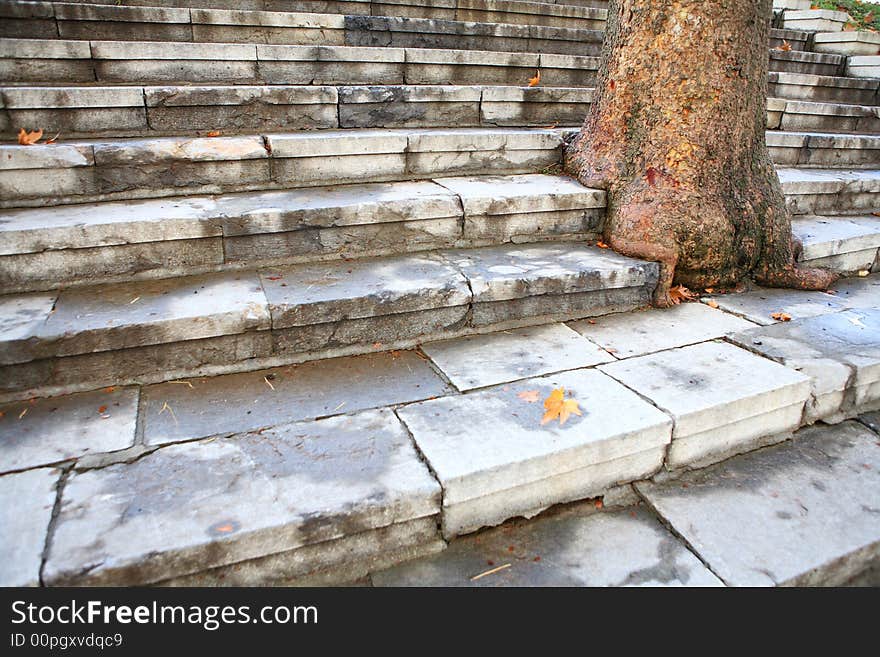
<point x="676" y="137"/>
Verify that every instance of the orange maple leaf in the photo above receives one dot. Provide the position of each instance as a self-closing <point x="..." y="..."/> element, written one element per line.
<point x="781" y="317"/>
<point x="557" y="406"/>
<point x="602" y="245"/>
<point x="680" y="293"/>
<point x="535" y="81"/>
<point x="529" y="396"/>
<point x="214" y="133"/>
<point x="26" y="138"/>
<point x="784" y="47"/>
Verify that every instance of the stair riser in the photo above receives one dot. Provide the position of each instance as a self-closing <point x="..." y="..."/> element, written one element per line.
<point x="849" y="264"/>
<point x="28" y="272"/>
<point x="136" y="112"/>
<point x="268" y="348"/>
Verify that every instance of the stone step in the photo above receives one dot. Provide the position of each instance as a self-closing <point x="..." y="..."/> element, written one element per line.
<point x="847" y="245"/>
<point x="353" y="427"/>
<point x="106" y="170"/>
<point x="124" y="241"/>
<point x="46" y="61"/>
<point x="88" y="337"/>
<point x="86" y="111"/>
<point x="800" y="514"/>
<point x="823" y="88"/>
<point x="25" y="19"/>
<point x="84" y="171"/>
<point x="823" y="192"/>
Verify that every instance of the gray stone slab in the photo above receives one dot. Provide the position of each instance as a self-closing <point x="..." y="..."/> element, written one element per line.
<point x="172" y="149"/>
<point x="528" y="193"/>
<point x="761" y="304"/>
<point x="723" y="399"/>
<point x="639" y="333"/>
<point x="154" y="312"/>
<point x="575" y="548"/>
<point x="228" y="500"/>
<point x="27" y="501"/>
<point x="840" y="352"/>
<point x="45" y="431"/>
<point x="221" y="405"/>
<point x="21" y="317"/>
<point x="495" y="460"/>
<point x="803" y="513"/>
<point x="512" y="272"/>
<point x="485" y="360"/>
<point x="872" y="421"/>
<point x="862" y="292"/>
<point x="327" y="292"/>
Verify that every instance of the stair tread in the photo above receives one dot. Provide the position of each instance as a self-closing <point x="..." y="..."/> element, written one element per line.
<point x="824" y="236"/>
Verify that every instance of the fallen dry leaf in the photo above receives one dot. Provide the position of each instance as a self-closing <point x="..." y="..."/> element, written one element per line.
<point x="784" y="47"/>
<point x="102" y="409"/>
<point x="712" y="304"/>
<point x="602" y="245"/>
<point x="781" y="317"/>
<point x="214" y="133"/>
<point x="680" y="293"/>
<point x="109" y="389"/>
<point x="490" y="572"/>
<point x="529" y="396"/>
<point x="535" y="81"/>
<point x="863" y="273"/>
<point x="557" y="406"/>
<point x="54" y="139"/>
<point x="23" y="413"/>
<point x="26" y="138"/>
<point x="599" y="503"/>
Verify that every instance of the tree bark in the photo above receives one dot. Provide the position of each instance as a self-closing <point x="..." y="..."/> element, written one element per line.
<point x="676" y="137"/>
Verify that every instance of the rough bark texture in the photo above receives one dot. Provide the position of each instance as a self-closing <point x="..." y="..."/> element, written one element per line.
<point x="676" y="137"/>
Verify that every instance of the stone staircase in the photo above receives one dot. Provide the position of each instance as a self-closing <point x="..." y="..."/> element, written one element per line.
<point x="247" y="185"/>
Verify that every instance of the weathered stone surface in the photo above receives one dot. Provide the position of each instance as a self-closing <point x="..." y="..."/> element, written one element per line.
<point x="484" y="360"/>
<point x="815" y="20"/>
<point x="495" y="460"/>
<point x="405" y="106"/>
<point x="62" y="428"/>
<point x="723" y="399"/>
<point x="27" y="502"/>
<point x="22" y="317"/>
<point x="528" y="193"/>
<point x="574" y="548"/>
<point x="231" y="499"/>
<point x="859" y="292"/>
<point x="840" y="352"/>
<point x="863" y="66"/>
<point x="156" y="151"/>
<point x="817" y="87"/>
<point x="222" y="405"/>
<point x="148" y="50"/>
<point x="512" y="272"/>
<point x="639" y="333"/>
<point x="804" y="513"/>
<point x="154" y="312"/>
<point x="844" y="244"/>
<point x="316" y="293"/>
<point x="44" y="49"/>
<point x="760" y="304"/>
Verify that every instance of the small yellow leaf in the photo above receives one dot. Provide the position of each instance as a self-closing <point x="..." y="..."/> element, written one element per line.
<point x="535" y="81"/>
<point x="781" y="317"/>
<point x="557" y="406"/>
<point x="26" y="138"/>
<point x="712" y="303"/>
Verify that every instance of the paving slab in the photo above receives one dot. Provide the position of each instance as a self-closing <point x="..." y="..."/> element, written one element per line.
<point x="108" y="317"/>
<point x="232" y="403"/>
<point x="485" y="360"/>
<point x="44" y="431"/>
<point x="644" y="332"/>
<point x="575" y="548"/>
<point x="760" y="304"/>
<point x="26" y="502"/>
<point x="495" y="460"/>
<point x="723" y="399"/>
<point x="863" y="292"/>
<point x="200" y="505"/>
<point x="803" y="513"/>
<point x="840" y="353"/>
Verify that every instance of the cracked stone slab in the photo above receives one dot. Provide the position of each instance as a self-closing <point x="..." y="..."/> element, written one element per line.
<point x="220" y="405"/>
<point x="803" y="513"/>
<point x="639" y="333"/>
<point x="484" y="360"/>
<point x="195" y="506"/>
<point x="527" y="193"/>
<point x="840" y="353"/>
<point x="495" y="460"/>
<point x="61" y="428"/>
<point x="723" y="399"/>
<point x="26" y="502"/>
<point x="108" y="317"/>
<point x="760" y="304"/>
<point x="575" y="548"/>
<point x="325" y="292"/>
<point x="512" y="272"/>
